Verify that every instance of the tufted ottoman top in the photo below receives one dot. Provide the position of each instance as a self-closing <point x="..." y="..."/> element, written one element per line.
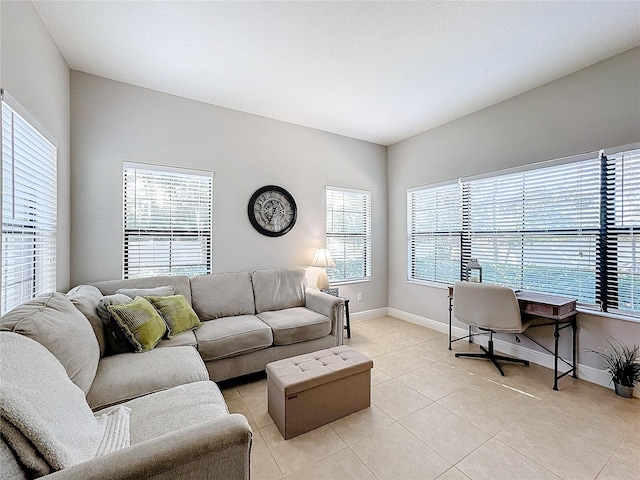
<point x="296" y="374"/>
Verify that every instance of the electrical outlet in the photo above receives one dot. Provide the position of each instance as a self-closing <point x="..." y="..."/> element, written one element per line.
<point x="359" y="296"/>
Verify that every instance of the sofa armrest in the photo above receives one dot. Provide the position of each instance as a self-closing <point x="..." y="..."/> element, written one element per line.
<point x="214" y="449"/>
<point x="330" y="306"/>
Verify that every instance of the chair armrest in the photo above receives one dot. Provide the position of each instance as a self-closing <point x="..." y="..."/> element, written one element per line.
<point x="329" y="306"/>
<point x="214" y="449"/>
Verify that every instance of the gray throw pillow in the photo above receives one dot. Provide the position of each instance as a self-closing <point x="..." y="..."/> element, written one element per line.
<point x="165" y="291"/>
<point x="115" y="339"/>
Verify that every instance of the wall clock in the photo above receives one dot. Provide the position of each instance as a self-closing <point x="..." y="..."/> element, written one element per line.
<point x="272" y="211"/>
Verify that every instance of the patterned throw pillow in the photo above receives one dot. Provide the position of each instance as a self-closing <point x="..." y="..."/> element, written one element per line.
<point x="177" y="313"/>
<point x="140" y="321"/>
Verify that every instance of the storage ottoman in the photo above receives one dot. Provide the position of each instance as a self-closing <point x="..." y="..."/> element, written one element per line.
<point x="311" y="390"/>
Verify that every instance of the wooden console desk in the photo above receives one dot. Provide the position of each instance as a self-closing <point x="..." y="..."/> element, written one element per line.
<point x="559" y="312"/>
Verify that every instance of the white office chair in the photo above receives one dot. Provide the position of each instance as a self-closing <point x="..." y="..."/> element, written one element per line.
<point x="491" y="308"/>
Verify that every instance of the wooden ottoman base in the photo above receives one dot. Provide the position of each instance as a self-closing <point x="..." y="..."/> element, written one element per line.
<point x="311" y="390"/>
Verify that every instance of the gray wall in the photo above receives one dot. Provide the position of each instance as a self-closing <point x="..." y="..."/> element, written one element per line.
<point x="36" y="76"/>
<point x="113" y="122"/>
<point x="594" y="108"/>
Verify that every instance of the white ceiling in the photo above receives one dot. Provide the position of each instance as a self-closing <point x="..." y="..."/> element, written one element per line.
<point x="377" y="71"/>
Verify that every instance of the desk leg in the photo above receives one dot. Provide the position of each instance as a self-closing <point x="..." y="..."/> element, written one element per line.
<point x="556" y="335"/>
<point x="346" y="311"/>
<point x="574" y="327"/>
<point x="450" y="309"/>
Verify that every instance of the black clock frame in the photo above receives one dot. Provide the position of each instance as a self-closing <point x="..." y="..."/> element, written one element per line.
<point x="252" y="218"/>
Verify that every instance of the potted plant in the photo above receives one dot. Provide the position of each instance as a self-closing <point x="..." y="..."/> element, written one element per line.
<point x="623" y="363"/>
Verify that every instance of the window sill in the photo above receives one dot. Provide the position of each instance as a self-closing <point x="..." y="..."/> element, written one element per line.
<point x="615" y="316"/>
<point x="347" y="282"/>
<point x="426" y="283"/>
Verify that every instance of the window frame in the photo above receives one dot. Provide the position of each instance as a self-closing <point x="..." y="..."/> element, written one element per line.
<point x="171" y="232"/>
<point x="365" y="235"/>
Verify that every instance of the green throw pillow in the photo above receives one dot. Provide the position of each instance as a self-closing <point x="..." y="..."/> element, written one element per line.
<point x="177" y="313"/>
<point x="140" y="322"/>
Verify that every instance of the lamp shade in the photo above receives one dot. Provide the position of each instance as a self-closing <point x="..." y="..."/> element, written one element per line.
<point x="323" y="259"/>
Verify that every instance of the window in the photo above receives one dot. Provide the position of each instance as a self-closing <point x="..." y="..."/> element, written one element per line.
<point x="349" y="234"/>
<point x="434" y="223"/>
<point x="569" y="228"/>
<point x="29" y="207"/>
<point x="167" y="221"/>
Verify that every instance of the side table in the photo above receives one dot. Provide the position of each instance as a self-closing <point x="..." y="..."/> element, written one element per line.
<point x="336" y="293"/>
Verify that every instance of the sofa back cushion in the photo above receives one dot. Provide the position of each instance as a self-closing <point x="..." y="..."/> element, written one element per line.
<point x="53" y="321"/>
<point x="86" y="299"/>
<point x="180" y="283"/>
<point x="222" y="295"/>
<point x="279" y="288"/>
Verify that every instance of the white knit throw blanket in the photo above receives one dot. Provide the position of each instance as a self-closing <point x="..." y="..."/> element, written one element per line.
<point x="44" y="415"/>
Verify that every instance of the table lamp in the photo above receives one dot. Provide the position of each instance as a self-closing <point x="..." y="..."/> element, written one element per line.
<point x="322" y="259"/>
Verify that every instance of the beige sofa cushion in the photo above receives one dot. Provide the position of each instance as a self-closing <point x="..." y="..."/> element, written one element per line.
<point x="173" y="409"/>
<point x="129" y="375"/>
<point x="293" y="325"/>
<point x="86" y="299"/>
<point x="53" y="321"/>
<point x="230" y="336"/>
<point x="222" y="295"/>
<point x="181" y="339"/>
<point x="279" y="288"/>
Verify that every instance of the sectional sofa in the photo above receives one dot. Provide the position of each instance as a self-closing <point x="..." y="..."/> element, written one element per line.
<point x="177" y="423"/>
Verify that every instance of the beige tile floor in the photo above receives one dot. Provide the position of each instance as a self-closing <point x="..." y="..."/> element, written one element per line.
<point x="435" y="416"/>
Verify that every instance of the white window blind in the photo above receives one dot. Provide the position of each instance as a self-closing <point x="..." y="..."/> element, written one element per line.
<point x="434" y="233"/>
<point x="29" y="209"/>
<point x="569" y="227"/>
<point x="348" y="234"/>
<point x="167" y="221"/>
<point x="623" y="232"/>
<point x="537" y="230"/>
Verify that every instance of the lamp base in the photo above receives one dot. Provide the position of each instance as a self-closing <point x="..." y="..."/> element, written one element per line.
<point x="323" y="281"/>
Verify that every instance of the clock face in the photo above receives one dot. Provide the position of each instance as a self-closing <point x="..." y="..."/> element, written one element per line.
<point x="272" y="211"/>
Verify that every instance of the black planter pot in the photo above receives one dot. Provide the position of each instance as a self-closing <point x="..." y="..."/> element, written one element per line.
<point x="623" y="391"/>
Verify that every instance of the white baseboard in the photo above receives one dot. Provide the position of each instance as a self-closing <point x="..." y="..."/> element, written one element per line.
<point x="585" y="372"/>
<point x="368" y="314"/>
